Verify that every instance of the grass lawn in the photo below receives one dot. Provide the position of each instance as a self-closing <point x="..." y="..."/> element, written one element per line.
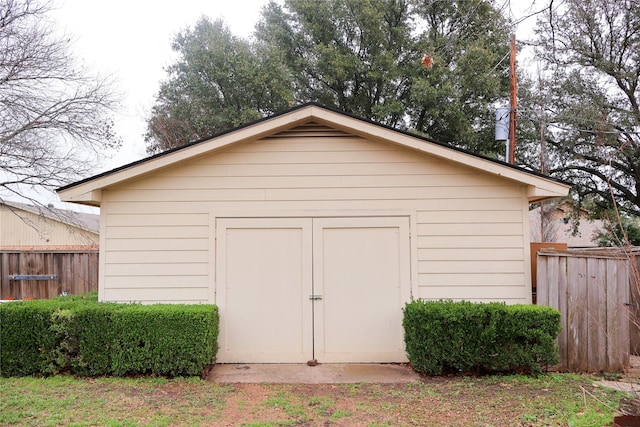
<point x="550" y="400"/>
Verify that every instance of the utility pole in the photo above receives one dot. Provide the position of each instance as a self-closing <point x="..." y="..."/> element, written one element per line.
<point x="514" y="105"/>
<point x="544" y="215"/>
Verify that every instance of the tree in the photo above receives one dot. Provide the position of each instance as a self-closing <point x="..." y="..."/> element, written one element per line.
<point x="52" y="113"/>
<point x="591" y="49"/>
<point x="363" y="57"/>
<point x="455" y="101"/>
<point x="618" y="233"/>
<point x="359" y="56"/>
<point x="219" y="81"/>
<point x="544" y="222"/>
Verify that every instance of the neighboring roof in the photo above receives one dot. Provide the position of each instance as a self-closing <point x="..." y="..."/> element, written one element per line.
<point x="86" y="221"/>
<point x="88" y="191"/>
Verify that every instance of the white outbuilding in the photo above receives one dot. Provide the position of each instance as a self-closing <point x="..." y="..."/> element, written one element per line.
<point x="310" y="230"/>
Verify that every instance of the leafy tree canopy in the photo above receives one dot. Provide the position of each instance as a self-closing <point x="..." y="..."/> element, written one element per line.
<point x="619" y="232"/>
<point x="586" y="104"/>
<point x="219" y="81"/>
<point x="360" y="56"/>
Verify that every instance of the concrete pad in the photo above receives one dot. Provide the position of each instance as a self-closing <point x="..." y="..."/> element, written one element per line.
<point x="333" y="373"/>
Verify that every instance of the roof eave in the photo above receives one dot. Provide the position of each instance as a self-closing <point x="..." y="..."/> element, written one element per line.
<point x="90" y="198"/>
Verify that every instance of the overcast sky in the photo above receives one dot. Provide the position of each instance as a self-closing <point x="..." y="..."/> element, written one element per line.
<point x="130" y="40"/>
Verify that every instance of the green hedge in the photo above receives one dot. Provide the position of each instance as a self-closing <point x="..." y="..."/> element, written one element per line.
<point x="457" y="337"/>
<point x="27" y="344"/>
<point x="90" y="338"/>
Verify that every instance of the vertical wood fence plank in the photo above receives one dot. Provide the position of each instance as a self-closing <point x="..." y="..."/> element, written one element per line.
<point x="56" y="288"/>
<point x="625" y="277"/>
<point x="15" y="287"/>
<point x="77" y="272"/>
<point x="596" y="314"/>
<point x="4" y="275"/>
<point x="49" y="287"/>
<point x="613" y="312"/>
<point x="577" y="315"/>
<point x="553" y="271"/>
<point x="92" y="283"/>
<point x="562" y="280"/>
<point x="26" y="264"/>
<point x="66" y="279"/>
<point x="542" y="280"/>
<point x="84" y="271"/>
<point x="634" y="309"/>
<point x="553" y="285"/>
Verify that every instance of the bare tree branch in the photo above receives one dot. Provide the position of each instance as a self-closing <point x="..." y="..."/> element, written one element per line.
<point x="590" y="50"/>
<point x="54" y="116"/>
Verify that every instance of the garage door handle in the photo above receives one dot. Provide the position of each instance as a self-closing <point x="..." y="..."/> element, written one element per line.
<point x="315" y="297"/>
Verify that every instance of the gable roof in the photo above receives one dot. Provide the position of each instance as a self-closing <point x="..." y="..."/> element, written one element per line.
<point x="88" y="191"/>
<point x="85" y="221"/>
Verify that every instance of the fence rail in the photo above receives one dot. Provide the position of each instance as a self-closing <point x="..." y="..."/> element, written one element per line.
<point x="46" y="274"/>
<point x="591" y="289"/>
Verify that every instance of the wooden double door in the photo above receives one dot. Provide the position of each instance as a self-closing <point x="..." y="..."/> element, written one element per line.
<point x="294" y="289"/>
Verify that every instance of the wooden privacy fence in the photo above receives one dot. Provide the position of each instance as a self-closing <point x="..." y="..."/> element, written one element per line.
<point x="591" y="289"/>
<point x="47" y="274"/>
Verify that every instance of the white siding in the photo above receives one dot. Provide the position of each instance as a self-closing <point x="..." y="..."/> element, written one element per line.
<point x="471" y="234"/>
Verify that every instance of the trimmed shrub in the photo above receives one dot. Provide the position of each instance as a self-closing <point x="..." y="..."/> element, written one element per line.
<point x="91" y="338"/>
<point x="457" y="337"/>
<point x="164" y="339"/>
<point x="96" y="339"/>
<point x="27" y="346"/>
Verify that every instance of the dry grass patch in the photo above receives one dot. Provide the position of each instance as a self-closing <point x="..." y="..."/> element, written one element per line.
<point x="554" y="399"/>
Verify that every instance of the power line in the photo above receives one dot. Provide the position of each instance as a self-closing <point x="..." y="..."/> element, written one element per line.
<point x="595" y="132"/>
<point x="500" y="62"/>
<point x="523" y="113"/>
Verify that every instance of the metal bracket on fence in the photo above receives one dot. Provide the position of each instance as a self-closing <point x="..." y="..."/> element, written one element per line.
<point x="32" y="277"/>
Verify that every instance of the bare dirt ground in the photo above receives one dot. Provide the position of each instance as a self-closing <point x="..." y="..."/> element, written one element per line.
<point x="549" y="400"/>
<point x="434" y="402"/>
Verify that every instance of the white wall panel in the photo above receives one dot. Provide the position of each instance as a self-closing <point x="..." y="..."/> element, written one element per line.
<point x="471" y="230"/>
